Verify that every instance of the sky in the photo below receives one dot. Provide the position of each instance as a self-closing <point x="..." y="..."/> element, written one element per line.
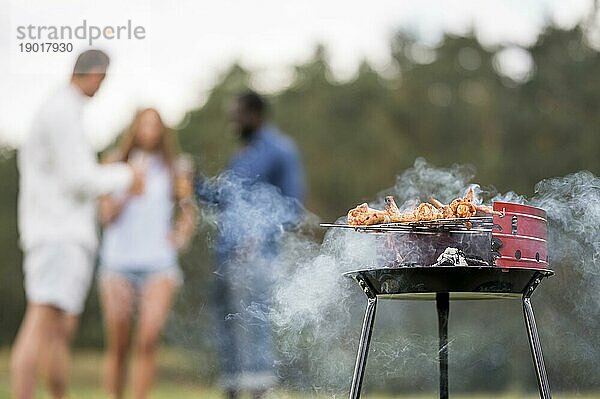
<point x="188" y="44"/>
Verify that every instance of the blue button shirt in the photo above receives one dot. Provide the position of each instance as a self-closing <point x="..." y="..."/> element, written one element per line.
<point x="270" y="157"/>
<point x="259" y="194"/>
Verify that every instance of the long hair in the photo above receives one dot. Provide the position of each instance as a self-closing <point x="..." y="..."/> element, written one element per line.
<point x="166" y="147"/>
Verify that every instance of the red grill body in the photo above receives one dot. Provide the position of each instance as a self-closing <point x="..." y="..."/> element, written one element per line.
<point x="519" y="236"/>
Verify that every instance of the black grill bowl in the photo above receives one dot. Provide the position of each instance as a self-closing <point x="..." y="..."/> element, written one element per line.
<point x="461" y="282"/>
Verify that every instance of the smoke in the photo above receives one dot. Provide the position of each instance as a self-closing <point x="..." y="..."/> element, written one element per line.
<point x="424" y="180"/>
<point x="315" y="311"/>
<point x="572" y="204"/>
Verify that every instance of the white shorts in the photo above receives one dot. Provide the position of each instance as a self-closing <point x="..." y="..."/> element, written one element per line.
<point x="58" y="274"/>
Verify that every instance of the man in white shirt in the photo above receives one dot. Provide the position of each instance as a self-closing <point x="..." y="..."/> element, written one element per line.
<point x="60" y="180"/>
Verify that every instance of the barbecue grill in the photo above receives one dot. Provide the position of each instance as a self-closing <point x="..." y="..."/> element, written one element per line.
<point x="504" y="256"/>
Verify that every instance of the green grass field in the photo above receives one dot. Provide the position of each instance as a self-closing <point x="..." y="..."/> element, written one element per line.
<point x="176" y="381"/>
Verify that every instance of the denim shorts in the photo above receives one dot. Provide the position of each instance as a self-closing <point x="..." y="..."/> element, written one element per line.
<point x="139" y="277"/>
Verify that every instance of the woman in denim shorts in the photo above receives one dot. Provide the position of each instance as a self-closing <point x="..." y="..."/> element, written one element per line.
<point x="138" y="257"/>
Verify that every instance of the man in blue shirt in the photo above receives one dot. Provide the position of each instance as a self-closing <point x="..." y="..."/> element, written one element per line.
<point x="268" y="156"/>
<point x="258" y="198"/>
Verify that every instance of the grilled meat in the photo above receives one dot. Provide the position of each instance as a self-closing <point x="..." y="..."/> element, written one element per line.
<point x="463" y="207"/>
<point x="425" y="212"/>
<point x="459" y="208"/>
<point x="394" y="213"/>
<point x="362" y="215"/>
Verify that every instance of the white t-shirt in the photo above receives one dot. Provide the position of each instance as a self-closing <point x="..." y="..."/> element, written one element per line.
<point x="138" y="239"/>
<point x="60" y="178"/>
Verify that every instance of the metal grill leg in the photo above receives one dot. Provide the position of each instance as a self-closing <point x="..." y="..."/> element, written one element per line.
<point x="365" y="340"/>
<point x="534" y="343"/>
<point x="443" y="308"/>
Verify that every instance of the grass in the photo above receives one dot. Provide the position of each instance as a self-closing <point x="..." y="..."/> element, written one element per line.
<point x="176" y="381"/>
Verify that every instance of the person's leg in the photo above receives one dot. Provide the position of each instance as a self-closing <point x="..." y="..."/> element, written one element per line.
<point x="258" y="359"/>
<point x="40" y="324"/>
<point x="60" y="275"/>
<point x="117" y="298"/>
<point x="155" y="303"/>
<point x="226" y="334"/>
<point x="57" y="356"/>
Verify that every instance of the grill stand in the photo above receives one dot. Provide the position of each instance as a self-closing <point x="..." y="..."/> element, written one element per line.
<point x="442" y="300"/>
<point x="534" y="339"/>
<point x="365" y="338"/>
<point x="443" y="310"/>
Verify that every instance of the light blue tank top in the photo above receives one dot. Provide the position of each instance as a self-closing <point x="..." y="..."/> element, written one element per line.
<point x="138" y="240"/>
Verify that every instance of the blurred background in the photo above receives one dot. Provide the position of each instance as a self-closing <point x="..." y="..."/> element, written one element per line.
<point x="519" y="101"/>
